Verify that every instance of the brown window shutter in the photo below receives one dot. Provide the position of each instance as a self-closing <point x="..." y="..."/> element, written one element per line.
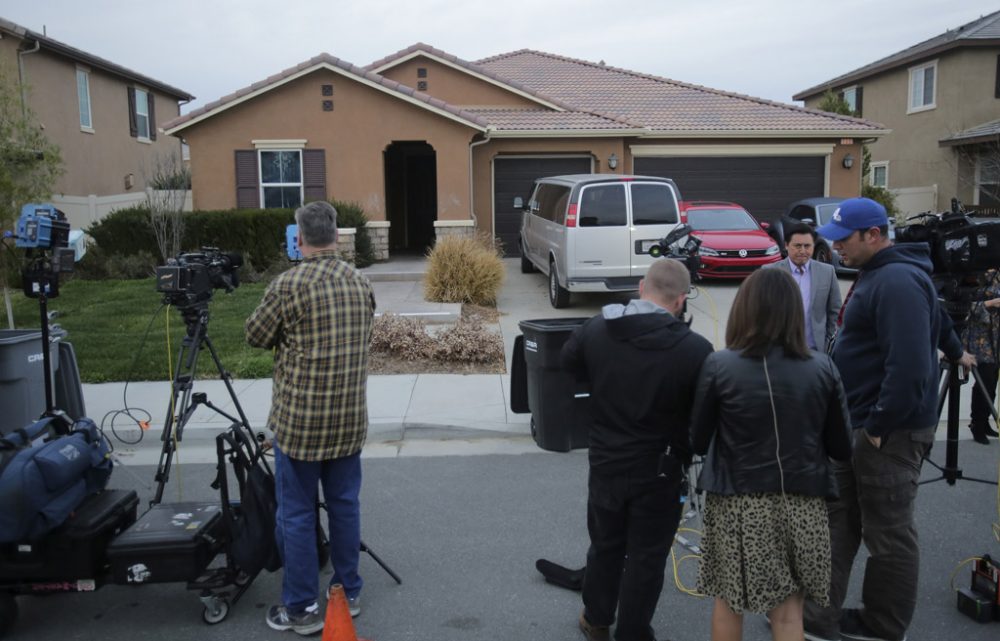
<point x="314" y="174"/>
<point x="150" y="104"/>
<point x="859" y="94"/>
<point x="996" y="90"/>
<point x="247" y="187"/>
<point x="133" y="124"/>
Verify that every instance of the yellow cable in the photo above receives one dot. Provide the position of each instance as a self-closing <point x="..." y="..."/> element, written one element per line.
<point x="675" y="562"/>
<point x="951" y="579"/>
<point x="713" y="315"/>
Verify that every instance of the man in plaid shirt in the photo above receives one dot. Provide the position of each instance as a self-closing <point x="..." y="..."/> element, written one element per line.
<point x="317" y="317"/>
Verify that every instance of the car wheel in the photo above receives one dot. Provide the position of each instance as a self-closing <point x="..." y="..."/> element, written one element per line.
<point x="558" y="296"/>
<point x="823" y="255"/>
<point x="526" y="265"/>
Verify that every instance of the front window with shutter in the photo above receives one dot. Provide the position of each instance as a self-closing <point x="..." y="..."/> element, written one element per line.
<point x="281" y="179"/>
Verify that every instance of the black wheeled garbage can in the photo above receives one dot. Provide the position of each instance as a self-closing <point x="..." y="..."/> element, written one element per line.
<point x="559" y="406"/>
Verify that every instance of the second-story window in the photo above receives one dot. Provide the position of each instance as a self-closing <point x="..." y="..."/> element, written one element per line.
<point x="141" y="121"/>
<point x="923" y="83"/>
<point x="83" y="97"/>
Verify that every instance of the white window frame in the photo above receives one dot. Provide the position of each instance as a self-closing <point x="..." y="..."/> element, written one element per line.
<point x="83" y="99"/>
<point x="979" y="180"/>
<point x="260" y="175"/>
<point x="853" y="104"/>
<point x="919" y="73"/>
<point x="138" y="123"/>
<point x="884" y="164"/>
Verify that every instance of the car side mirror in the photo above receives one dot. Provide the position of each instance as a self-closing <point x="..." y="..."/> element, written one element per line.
<point x="809" y="221"/>
<point x="765" y="225"/>
<point x="519" y="203"/>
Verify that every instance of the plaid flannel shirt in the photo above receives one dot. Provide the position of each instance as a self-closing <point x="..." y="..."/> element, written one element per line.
<point x="318" y="318"/>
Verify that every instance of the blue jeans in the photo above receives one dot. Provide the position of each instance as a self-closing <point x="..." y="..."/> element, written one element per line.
<point x="297" y="485"/>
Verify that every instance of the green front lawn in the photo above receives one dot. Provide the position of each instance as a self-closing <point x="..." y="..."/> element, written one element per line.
<point x="106" y="322"/>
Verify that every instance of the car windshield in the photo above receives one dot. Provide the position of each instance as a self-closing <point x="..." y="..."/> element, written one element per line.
<point x="720" y="220"/>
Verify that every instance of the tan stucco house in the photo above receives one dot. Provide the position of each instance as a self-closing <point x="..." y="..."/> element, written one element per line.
<point x="429" y="143"/>
<point x="941" y="100"/>
<point x="105" y="119"/>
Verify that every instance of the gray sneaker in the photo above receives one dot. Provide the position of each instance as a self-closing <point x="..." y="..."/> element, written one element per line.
<point x="309" y="621"/>
<point x="353" y="603"/>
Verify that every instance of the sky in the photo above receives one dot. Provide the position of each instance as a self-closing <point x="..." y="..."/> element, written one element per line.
<point x="765" y="48"/>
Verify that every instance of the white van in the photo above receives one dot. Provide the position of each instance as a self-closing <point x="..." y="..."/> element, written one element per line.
<point x="592" y="232"/>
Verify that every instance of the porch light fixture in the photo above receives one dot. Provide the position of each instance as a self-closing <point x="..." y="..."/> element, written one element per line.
<point x="613" y="161"/>
<point x="848" y="161"/>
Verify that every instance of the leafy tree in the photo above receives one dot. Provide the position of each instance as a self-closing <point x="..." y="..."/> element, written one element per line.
<point x="835" y="103"/>
<point x="29" y="167"/>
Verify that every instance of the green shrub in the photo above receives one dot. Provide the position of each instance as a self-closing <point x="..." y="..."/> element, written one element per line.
<point x="350" y="214"/>
<point x="464" y="269"/>
<point x="125" y="232"/>
<point x="884" y="197"/>
<point x="98" y="264"/>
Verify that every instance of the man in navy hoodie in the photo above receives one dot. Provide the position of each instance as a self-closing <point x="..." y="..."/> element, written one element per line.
<point x="642" y="363"/>
<point x="887" y="351"/>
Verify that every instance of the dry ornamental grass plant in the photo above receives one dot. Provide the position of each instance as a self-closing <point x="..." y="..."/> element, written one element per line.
<point x="406" y="338"/>
<point x="463" y="269"/>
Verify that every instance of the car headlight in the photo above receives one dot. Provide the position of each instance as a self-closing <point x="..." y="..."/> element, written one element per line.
<point x="707" y="251"/>
<point x="772" y="250"/>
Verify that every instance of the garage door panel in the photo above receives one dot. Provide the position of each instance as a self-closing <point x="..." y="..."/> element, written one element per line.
<point x="765" y="185"/>
<point x="514" y="177"/>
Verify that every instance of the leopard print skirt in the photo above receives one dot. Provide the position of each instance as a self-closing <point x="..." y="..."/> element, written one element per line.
<point x="759" y="549"/>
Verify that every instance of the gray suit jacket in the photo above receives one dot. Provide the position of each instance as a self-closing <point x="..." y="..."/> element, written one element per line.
<point x="826" y="300"/>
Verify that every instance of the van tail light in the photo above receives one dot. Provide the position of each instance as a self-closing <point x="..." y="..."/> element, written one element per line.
<point x="571" y="216"/>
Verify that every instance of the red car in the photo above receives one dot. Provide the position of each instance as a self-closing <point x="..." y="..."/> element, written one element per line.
<point x="733" y="244"/>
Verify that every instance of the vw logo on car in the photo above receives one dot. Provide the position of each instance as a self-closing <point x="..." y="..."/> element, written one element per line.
<point x="743" y="253"/>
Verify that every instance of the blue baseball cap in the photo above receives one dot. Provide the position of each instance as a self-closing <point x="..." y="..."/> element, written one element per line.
<point x="852" y="215"/>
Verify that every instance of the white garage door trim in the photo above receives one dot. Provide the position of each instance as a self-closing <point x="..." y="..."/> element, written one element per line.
<point x="493" y="176"/>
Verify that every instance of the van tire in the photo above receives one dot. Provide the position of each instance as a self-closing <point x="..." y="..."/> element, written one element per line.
<point x="823" y="254"/>
<point x="527" y="266"/>
<point x="558" y="295"/>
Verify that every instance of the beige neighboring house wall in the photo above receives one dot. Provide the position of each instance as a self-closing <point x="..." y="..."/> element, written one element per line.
<point x="354" y="136"/>
<point x="105" y="167"/>
<point x="921" y="172"/>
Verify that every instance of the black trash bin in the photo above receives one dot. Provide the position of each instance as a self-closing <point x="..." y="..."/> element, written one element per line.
<point x="559" y="406"/>
<point x="22" y="382"/>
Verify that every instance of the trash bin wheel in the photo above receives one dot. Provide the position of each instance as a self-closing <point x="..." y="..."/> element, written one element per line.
<point x="558" y="295"/>
<point x="216" y="611"/>
<point x="534" y="432"/>
<point x="8" y="612"/>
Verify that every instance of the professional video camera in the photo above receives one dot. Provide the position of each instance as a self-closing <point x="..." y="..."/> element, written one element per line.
<point x="190" y="278"/>
<point x="680" y="245"/>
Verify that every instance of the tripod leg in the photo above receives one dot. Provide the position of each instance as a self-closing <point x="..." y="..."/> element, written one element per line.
<point x="388" y="570"/>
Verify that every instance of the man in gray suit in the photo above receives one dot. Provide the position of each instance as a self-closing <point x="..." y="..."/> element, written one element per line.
<point x="818" y="283"/>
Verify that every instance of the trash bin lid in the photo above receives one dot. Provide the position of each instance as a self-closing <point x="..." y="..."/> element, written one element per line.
<point x="13" y="336"/>
<point x="553" y="324"/>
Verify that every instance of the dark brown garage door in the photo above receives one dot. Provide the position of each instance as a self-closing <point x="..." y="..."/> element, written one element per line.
<point x="513" y="177"/>
<point x="765" y="185"/>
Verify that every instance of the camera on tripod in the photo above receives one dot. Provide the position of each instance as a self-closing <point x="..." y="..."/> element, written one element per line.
<point x="682" y="246"/>
<point x="960" y="243"/>
<point x="191" y="277"/>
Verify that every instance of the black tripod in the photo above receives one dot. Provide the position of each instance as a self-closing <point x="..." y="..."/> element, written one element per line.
<point x="951" y="383"/>
<point x="184" y="402"/>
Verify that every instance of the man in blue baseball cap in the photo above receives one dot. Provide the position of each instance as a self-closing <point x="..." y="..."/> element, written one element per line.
<point x="886" y="349"/>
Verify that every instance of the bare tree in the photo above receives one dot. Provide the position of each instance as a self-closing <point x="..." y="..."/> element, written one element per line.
<point x="167" y="184"/>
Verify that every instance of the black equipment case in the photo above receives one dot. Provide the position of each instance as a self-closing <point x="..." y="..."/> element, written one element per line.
<point x="171" y="542"/>
<point x="76" y="549"/>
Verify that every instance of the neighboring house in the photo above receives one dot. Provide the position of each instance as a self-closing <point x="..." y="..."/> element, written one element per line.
<point x="941" y="100"/>
<point x="430" y="144"/>
<point x="105" y="119"/>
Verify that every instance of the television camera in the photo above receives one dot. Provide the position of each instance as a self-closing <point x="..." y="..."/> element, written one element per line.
<point x="680" y="245"/>
<point x="191" y="278"/>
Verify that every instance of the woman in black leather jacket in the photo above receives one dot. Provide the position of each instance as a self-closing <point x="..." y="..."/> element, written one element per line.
<point x="769" y="413"/>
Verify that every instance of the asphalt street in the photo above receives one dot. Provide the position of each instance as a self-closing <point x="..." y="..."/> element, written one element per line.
<point x="464" y="532"/>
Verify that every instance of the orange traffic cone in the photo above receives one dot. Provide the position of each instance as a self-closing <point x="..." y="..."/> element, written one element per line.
<point x="338" y="625"/>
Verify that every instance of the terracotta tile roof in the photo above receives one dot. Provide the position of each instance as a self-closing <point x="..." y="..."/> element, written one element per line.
<point x="661" y="104"/>
<point x="986" y="132"/>
<point x="544" y="120"/>
<point x="55" y="46"/>
<point x="977" y="32"/>
<point x="324" y="60"/>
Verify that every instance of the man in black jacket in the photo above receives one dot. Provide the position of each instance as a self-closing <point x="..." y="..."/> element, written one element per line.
<point x="642" y="364"/>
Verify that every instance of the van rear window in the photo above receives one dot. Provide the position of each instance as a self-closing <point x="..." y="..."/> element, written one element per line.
<point x="653" y="205"/>
<point x="550" y="201"/>
<point x="602" y="206"/>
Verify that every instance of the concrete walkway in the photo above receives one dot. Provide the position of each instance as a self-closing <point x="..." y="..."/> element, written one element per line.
<point x="410" y="414"/>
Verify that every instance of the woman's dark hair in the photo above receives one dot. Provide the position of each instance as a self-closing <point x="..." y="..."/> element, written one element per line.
<point x="768" y="312"/>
